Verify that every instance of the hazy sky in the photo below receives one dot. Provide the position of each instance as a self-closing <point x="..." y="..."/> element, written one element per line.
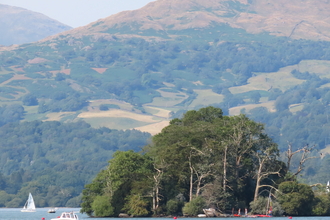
<point x="77" y="13"/>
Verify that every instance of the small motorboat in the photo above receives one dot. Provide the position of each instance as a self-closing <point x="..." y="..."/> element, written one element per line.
<point x="52" y="210"/>
<point x="67" y="216"/>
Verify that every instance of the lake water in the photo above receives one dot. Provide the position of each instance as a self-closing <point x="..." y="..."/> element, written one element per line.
<point x="16" y="214"/>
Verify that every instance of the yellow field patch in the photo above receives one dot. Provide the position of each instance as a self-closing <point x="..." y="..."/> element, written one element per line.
<point x="153" y="128"/>
<point x="237" y="110"/>
<point x="117" y="113"/>
<point x="158" y="111"/>
<point x="206" y="97"/>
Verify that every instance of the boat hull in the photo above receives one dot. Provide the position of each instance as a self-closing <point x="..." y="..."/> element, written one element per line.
<point x="27" y="210"/>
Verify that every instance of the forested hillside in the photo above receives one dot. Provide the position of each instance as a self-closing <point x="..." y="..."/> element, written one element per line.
<point x="54" y="160"/>
<point x="140" y="69"/>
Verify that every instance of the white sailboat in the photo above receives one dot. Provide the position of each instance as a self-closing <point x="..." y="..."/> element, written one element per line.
<point x="29" y="205"/>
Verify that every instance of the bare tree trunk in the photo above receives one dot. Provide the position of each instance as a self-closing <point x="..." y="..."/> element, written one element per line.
<point x="156" y="188"/>
<point x="256" y="192"/>
<point x="304" y="157"/>
<point x="225" y="170"/>
<point x="191" y="179"/>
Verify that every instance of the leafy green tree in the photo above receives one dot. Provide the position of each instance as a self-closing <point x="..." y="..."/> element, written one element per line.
<point x="296" y="198"/>
<point x="128" y="174"/>
<point x="4" y="198"/>
<point x="30" y="100"/>
<point x="174" y="207"/>
<point x="104" y="107"/>
<point x="136" y="206"/>
<point x="91" y="191"/>
<point x="321" y="205"/>
<point x="255" y="97"/>
<point x="194" y="207"/>
<point x="205" y="148"/>
<point x="102" y="206"/>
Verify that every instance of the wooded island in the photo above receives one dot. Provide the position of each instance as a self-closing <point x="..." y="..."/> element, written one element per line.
<point x="203" y="160"/>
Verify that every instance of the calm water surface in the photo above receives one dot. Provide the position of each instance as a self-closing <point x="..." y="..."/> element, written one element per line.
<point x="16" y="214"/>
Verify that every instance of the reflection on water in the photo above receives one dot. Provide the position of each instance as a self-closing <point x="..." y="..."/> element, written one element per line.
<point x="16" y="214"/>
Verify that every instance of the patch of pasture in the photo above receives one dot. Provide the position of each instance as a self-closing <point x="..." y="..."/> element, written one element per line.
<point x="282" y="79"/>
<point x="206" y="97"/>
<point x="58" y="116"/>
<point x="160" y="112"/>
<point x="31" y="109"/>
<point x="154" y="128"/>
<point x="168" y="99"/>
<point x="115" y="123"/>
<point x="4" y="71"/>
<point x="33" y="117"/>
<point x="319" y="67"/>
<point x="296" y="108"/>
<point x="117" y="113"/>
<point x="325" y="85"/>
<point x="237" y="110"/>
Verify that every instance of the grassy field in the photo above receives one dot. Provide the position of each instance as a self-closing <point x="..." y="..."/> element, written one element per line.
<point x="118" y="113"/>
<point x="206" y="97"/>
<point x="168" y="99"/>
<point x="319" y="67"/>
<point x="157" y="112"/>
<point x="115" y="123"/>
<point x="58" y="116"/>
<point x="154" y="128"/>
<point x="282" y="79"/>
<point x="296" y="107"/>
<point x="237" y="110"/>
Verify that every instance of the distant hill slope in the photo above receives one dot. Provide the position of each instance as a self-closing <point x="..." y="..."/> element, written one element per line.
<point x="20" y="26"/>
<point x="298" y="19"/>
<point x="138" y="69"/>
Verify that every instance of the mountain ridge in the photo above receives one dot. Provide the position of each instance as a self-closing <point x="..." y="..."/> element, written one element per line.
<point x="20" y="25"/>
<point x="296" y="19"/>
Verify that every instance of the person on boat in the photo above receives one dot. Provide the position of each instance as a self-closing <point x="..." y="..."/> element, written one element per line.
<point x="270" y="212"/>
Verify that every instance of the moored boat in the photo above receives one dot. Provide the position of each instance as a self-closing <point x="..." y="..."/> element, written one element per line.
<point x="29" y="205"/>
<point x="52" y="210"/>
<point x="67" y="216"/>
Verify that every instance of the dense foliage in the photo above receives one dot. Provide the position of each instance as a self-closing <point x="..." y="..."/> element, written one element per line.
<point x="54" y="160"/>
<point x="205" y="159"/>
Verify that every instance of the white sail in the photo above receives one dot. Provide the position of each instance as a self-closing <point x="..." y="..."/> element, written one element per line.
<point x="328" y="187"/>
<point x="29" y="205"/>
